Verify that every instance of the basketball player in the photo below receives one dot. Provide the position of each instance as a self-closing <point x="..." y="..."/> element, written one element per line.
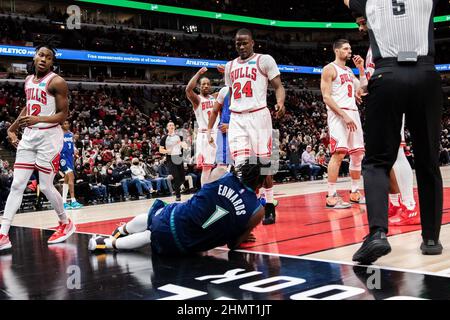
<point x="402" y="205"/>
<point x="250" y="128"/>
<point x="338" y="86"/>
<point x="203" y="104"/>
<point x="222" y="106"/>
<point x="224" y="211"/>
<point x="41" y="144"/>
<point x="66" y="162"/>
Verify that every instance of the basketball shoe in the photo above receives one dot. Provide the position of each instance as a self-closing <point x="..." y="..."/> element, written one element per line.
<point x="76" y="205"/>
<point x="393" y="210"/>
<point x="357" y="197"/>
<point x="63" y="232"/>
<point x="120" y="231"/>
<point x="97" y="243"/>
<point x="4" y="242"/>
<point x="375" y="245"/>
<point x="335" y="202"/>
<point x="405" y="217"/>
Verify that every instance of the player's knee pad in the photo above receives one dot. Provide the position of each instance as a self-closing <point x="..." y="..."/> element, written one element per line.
<point x="356" y="160"/>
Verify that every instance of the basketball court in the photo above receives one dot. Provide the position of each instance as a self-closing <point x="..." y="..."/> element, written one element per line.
<point x="306" y="254"/>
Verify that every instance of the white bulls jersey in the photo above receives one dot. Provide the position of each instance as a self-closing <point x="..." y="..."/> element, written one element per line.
<point x="370" y="66"/>
<point x="249" y="80"/>
<point x="39" y="101"/>
<point x="343" y="89"/>
<point x="203" y="112"/>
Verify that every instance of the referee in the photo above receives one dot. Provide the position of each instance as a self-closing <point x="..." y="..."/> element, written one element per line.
<point x="172" y="145"/>
<point x="405" y="81"/>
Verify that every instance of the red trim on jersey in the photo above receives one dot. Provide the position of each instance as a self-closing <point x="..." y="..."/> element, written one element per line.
<point x="349" y="109"/>
<point x="340" y="149"/>
<point x="403" y="144"/>
<point x="259" y="69"/>
<point x="42" y="79"/>
<point x="207" y="165"/>
<point x="346" y="68"/>
<point x="264" y="154"/>
<point x="55" y="162"/>
<point x="250" y="111"/>
<point x="42" y="169"/>
<point x="24" y="164"/>
<point x="48" y="82"/>
<point x="45" y="127"/>
<point x="356" y="150"/>
<point x="246" y="60"/>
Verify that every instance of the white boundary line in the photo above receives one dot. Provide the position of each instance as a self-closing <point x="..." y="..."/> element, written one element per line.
<point x="438" y="274"/>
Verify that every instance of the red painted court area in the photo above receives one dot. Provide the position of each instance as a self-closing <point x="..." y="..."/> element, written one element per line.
<point x="303" y="226"/>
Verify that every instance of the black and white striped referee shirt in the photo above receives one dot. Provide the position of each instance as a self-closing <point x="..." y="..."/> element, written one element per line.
<point x="398" y="26"/>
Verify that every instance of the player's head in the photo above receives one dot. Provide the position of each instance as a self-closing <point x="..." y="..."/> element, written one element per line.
<point x="66" y="125"/>
<point x="252" y="174"/>
<point x="361" y="22"/>
<point x="170" y="127"/>
<point x="244" y="43"/>
<point x="342" y="49"/>
<point x="44" y="58"/>
<point x="205" y="86"/>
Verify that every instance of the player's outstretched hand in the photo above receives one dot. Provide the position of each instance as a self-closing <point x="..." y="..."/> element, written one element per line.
<point x="13" y="139"/>
<point x="351" y="125"/>
<point x="210" y="139"/>
<point x="202" y="70"/>
<point x="223" y="127"/>
<point x="251" y="238"/>
<point x="360" y="93"/>
<point x="27" y="121"/>
<point x="280" y="111"/>
<point x="221" y="68"/>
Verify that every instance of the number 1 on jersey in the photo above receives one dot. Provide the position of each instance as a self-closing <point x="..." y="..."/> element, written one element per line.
<point x="246" y="90"/>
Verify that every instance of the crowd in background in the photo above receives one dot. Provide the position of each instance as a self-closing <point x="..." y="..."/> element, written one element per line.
<point x="15" y="31"/>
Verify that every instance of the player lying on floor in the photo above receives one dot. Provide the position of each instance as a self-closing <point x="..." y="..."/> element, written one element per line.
<point x="224" y="211"/>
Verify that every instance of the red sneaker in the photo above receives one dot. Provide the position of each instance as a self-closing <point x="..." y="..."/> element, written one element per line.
<point x="63" y="232"/>
<point x="405" y="217"/>
<point x="393" y="210"/>
<point x="4" y="242"/>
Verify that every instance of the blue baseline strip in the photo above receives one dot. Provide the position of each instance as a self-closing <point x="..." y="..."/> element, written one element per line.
<point x="93" y="56"/>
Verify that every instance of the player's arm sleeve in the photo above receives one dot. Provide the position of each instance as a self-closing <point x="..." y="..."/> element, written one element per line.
<point x="358" y="6"/>
<point x="163" y="142"/>
<point x="269" y="66"/>
<point x="226" y="75"/>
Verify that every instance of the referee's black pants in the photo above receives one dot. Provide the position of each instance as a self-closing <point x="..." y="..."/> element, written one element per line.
<point x="415" y="90"/>
<point x="176" y="169"/>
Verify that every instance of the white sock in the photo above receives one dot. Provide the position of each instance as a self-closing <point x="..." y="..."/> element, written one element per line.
<point x="394" y="199"/>
<point x="205" y="176"/>
<point x="405" y="179"/>
<point x="137" y="224"/>
<point x="53" y="196"/>
<point x="20" y="180"/>
<point x="73" y="200"/>
<point x="355" y="185"/>
<point x="65" y="190"/>
<point x="133" y="241"/>
<point x="269" y="195"/>
<point x="331" y="188"/>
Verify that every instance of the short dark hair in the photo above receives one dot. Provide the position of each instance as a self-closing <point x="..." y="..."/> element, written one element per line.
<point x="244" y="31"/>
<point x="339" y="43"/>
<point x="49" y="47"/>
<point x="250" y="174"/>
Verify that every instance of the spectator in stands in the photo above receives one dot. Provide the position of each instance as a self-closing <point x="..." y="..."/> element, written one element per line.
<point x="122" y="174"/>
<point x="309" y="160"/>
<point x="138" y="173"/>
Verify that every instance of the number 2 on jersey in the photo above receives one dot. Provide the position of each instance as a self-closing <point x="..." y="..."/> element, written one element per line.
<point x="246" y="90"/>
<point x="34" y="109"/>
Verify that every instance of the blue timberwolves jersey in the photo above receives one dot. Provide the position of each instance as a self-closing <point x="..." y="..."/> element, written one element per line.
<point x="216" y="215"/>
<point x="68" y="150"/>
<point x="225" y="113"/>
